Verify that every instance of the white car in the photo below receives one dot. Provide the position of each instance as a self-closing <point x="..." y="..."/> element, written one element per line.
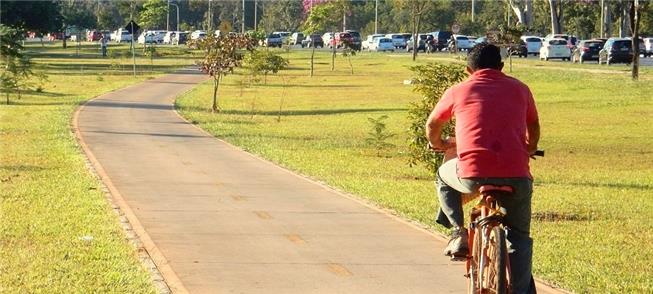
<point x="326" y="38"/>
<point x="382" y="45"/>
<point x="398" y="40"/>
<point x="463" y="43"/>
<point x="648" y="45"/>
<point x="533" y="44"/>
<point x="284" y="36"/>
<point x="555" y="48"/>
<point x="370" y="39"/>
<point x="170" y="36"/>
<point x="198" y="35"/>
<point x="122" y="36"/>
<point x="151" y="37"/>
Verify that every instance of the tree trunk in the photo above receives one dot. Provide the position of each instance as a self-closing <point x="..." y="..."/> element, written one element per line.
<point x="634" y="26"/>
<point x="7" y="95"/>
<point x="416" y="20"/>
<point x="556" y="16"/>
<point x="312" y="57"/>
<point x="528" y="14"/>
<point x="216" y="83"/>
<point x="333" y="56"/>
<point x="350" y="65"/>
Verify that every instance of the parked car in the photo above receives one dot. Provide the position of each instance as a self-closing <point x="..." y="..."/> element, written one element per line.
<point x="169" y="36"/>
<point x="648" y="45"/>
<point x="571" y="40"/>
<point x="397" y="40"/>
<point x="533" y="44"/>
<point x="463" y="43"/>
<point x="93" y="36"/>
<point x="421" y="44"/>
<point x="642" y="47"/>
<point x="296" y="38"/>
<point x="382" y="44"/>
<point x="587" y="50"/>
<point x="314" y="40"/>
<point x="123" y="36"/>
<point x="180" y="38"/>
<point x="340" y="40"/>
<point x="151" y="37"/>
<point x="285" y="36"/>
<point x="370" y="39"/>
<point x="326" y="38"/>
<point x="356" y="40"/>
<point x="616" y="50"/>
<point x="198" y="35"/>
<point x="519" y="49"/>
<point x="273" y="40"/>
<point x="555" y="48"/>
<point x="441" y="39"/>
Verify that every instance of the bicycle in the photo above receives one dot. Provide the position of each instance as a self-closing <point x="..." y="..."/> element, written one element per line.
<point x="488" y="264"/>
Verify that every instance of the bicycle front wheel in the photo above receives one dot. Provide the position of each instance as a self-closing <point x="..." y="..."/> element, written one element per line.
<point x="494" y="274"/>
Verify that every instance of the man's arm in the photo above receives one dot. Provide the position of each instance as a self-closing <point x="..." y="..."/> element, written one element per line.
<point x="434" y="128"/>
<point x="533" y="136"/>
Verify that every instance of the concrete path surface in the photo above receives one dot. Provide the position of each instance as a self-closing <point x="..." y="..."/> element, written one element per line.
<point x="219" y="220"/>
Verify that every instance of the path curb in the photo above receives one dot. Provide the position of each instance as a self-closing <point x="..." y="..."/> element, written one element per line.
<point x="164" y="278"/>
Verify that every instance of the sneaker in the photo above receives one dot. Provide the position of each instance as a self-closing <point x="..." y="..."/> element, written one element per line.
<point x="457" y="247"/>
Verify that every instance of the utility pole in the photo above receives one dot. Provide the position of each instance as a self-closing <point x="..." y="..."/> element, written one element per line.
<point x="242" y="28"/>
<point x="176" y="6"/>
<point x="210" y="16"/>
<point x="255" y="15"/>
<point x="376" y="17"/>
<point x="473" y="9"/>
<point x="168" y="17"/>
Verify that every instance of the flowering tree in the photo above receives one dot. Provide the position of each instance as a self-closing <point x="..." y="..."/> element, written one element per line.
<point x="309" y="4"/>
<point x="222" y="55"/>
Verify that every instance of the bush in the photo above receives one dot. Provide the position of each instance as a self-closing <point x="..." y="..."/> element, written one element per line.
<point x="430" y="81"/>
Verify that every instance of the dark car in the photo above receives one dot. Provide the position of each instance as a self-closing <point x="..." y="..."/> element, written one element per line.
<point x="520" y="49"/>
<point x="314" y="40"/>
<point x="341" y="39"/>
<point x="616" y="50"/>
<point x="356" y="40"/>
<point x="587" y="50"/>
<point x="441" y="39"/>
<point x="180" y="38"/>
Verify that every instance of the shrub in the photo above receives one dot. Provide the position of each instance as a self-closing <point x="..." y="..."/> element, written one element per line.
<point x="430" y="81"/>
<point x="377" y="138"/>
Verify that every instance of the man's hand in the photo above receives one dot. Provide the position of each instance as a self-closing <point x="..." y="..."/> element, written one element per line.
<point x="443" y="144"/>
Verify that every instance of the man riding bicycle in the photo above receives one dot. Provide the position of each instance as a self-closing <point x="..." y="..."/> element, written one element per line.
<point x="497" y="129"/>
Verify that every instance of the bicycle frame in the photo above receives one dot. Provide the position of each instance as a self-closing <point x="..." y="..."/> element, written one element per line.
<point x="486" y="215"/>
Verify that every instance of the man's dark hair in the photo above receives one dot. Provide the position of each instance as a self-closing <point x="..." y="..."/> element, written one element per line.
<point x="484" y="55"/>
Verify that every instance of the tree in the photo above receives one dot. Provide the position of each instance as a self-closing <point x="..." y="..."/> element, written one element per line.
<point x="75" y="16"/>
<point x="417" y="9"/>
<point x="281" y="15"/>
<point x="523" y="9"/>
<point x="16" y="66"/>
<point x="319" y="18"/>
<point x="222" y="55"/>
<point x="153" y="14"/>
<point x="556" y="16"/>
<point x="634" y="26"/>
<point x="38" y="16"/>
<point x="264" y="62"/>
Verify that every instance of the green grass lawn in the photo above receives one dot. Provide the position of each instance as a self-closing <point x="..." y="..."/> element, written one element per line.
<point x="592" y="204"/>
<point x="58" y="233"/>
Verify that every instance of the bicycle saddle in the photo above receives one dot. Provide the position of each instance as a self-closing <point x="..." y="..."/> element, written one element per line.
<point x="490" y="188"/>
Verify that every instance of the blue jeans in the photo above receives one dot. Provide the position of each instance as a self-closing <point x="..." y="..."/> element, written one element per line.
<point x="517" y="220"/>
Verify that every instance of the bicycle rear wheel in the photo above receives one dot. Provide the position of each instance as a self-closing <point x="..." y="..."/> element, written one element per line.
<point x="494" y="276"/>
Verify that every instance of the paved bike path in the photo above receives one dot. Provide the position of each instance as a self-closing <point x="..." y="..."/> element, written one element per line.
<point x="219" y="220"/>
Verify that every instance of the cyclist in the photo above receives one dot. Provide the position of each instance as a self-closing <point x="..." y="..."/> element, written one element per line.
<point x="497" y="129"/>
